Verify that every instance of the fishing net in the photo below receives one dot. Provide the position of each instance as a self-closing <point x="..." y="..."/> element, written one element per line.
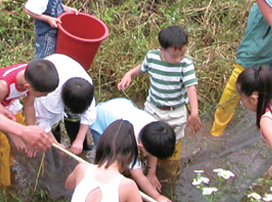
<point x="241" y="150"/>
<point x="46" y="173"/>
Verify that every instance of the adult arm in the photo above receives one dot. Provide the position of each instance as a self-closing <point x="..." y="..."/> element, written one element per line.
<point x="33" y="136"/>
<point x="146" y="186"/>
<point x="193" y="120"/>
<point x="266" y="10"/>
<point x="126" y="80"/>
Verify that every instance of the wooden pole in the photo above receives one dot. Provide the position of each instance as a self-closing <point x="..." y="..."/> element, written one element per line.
<point x="143" y="195"/>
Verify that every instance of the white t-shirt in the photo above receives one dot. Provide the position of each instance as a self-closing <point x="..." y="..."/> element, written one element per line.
<point x="50" y="109"/>
<point x="37" y="7"/>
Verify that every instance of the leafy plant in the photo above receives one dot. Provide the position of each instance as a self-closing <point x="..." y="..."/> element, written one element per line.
<point x="257" y="190"/>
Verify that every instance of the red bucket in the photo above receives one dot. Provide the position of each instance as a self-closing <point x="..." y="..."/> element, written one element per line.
<point x="79" y="36"/>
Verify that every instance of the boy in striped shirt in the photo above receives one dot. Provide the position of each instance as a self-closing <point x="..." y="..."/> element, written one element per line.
<point x="172" y="83"/>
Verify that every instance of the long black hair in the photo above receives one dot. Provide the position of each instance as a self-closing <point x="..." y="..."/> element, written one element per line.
<point x="257" y="80"/>
<point x="117" y="143"/>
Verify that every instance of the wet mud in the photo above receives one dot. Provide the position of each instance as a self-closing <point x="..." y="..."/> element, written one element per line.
<point x="241" y="150"/>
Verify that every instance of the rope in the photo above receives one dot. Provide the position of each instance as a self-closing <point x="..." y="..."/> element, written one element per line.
<point x="217" y="106"/>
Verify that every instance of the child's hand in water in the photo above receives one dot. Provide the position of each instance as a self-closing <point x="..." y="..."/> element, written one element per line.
<point x="154" y="181"/>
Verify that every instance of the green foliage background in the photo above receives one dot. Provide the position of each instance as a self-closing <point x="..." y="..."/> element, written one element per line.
<point x="215" y="28"/>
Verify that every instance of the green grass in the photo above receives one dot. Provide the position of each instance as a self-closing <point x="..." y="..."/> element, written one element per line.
<point x="215" y="29"/>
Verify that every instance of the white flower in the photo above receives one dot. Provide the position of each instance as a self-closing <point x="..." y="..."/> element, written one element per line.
<point x="196" y="182"/>
<point x="267" y="197"/>
<point x="226" y="174"/>
<point x="217" y="170"/>
<point x="199" y="171"/>
<point x="208" y="190"/>
<point x="270" y="188"/>
<point x="205" y="180"/>
<point x="255" y="196"/>
<point x="200" y="180"/>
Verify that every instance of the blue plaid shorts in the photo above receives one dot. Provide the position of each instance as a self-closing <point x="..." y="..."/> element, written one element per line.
<point x="46" y="43"/>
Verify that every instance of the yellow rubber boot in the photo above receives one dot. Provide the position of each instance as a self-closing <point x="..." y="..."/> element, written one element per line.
<point x="176" y="154"/>
<point x="227" y="103"/>
<point x="172" y="163"/>
<point x="4" y="161"/>
<point x="6" y="155"/>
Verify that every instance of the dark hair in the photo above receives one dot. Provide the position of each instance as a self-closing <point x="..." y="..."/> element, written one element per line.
<point x="173" y="36"/>
<point x="117" y="143"/>
<point x="42" y="75"/>
<point x="257" y="80"/>
<point x="158" y="139"/>
<point x="77" y="94"/>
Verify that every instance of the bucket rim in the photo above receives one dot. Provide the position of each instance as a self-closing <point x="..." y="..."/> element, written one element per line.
<point x="79" y="38"/>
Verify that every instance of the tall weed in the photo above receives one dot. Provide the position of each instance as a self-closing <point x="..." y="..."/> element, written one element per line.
<point x="215" y="29"/>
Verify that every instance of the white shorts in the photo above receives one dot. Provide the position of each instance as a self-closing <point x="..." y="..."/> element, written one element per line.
<point x="176" y="118"/>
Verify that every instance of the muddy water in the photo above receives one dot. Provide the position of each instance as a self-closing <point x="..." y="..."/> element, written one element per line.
<point x="241" y="150"/>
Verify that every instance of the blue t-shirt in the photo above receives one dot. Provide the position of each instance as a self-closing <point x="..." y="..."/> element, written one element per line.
<point x="103" y="120"/>
<point x="121" y="108"/>
<point x="269" y="2"/>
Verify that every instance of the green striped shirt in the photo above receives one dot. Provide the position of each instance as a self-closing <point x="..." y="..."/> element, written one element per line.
<point x="168" y="82"/>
